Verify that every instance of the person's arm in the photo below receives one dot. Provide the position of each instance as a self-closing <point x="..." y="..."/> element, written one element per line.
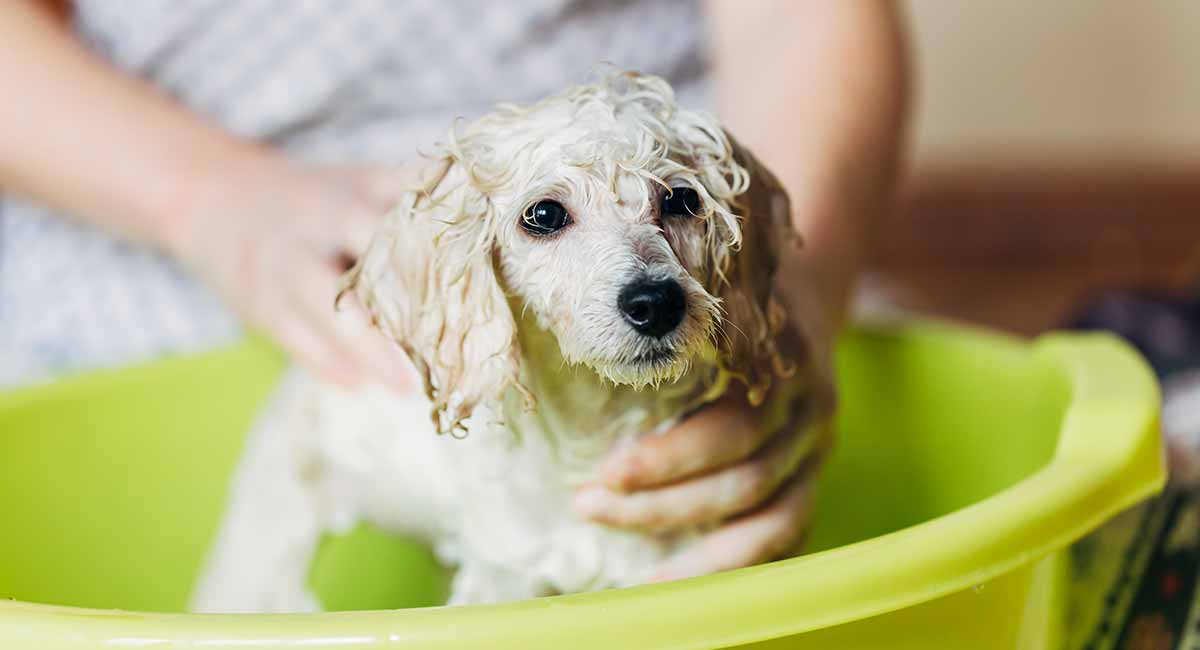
<point x="817" y="90"/>
<point x="80" y="136"/>
<point x="111" y="150"/>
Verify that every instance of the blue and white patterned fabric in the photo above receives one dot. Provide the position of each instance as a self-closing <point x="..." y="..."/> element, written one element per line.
<point x="344" y="81"/>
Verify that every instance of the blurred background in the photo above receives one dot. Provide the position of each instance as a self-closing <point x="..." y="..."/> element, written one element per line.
<point x="1056" y="153"/>
<point x="1054" y="182"/>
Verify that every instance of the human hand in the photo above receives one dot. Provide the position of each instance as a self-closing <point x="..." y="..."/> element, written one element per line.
<point x="273" y="236"/>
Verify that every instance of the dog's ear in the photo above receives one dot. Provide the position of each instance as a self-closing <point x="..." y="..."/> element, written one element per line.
<point x="751" y="348"/>
<point x="429" y="281"/>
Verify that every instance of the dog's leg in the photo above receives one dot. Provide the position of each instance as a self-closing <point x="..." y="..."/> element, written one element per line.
<point x="478" y="584"/>
<point x="321" y="459"/>
<point x="264" y="545"/>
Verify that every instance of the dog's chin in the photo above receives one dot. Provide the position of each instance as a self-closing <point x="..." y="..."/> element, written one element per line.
<point x="638" y="361"/>
<point x="649" y="368"/>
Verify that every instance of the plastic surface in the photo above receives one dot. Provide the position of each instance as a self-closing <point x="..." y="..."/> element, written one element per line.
<point x="965" y="463"/>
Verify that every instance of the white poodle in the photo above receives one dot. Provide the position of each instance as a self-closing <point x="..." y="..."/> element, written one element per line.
<point x="569" y="275"/>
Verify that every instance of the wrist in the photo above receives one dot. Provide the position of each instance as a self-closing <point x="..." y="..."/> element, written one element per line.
<point x="187" y="185"/>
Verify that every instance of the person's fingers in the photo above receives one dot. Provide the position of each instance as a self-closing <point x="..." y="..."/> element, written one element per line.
<point x="313" y="290"/>
<point x="708" y="498"/>
<point x="376" y="197"/>
<point x="310" y="349"/>
<point x="714" y="437"/>
<point x="355" y="227"/>
<point x="770" y="533"/>
<point x="385" y="184"/>
<point x="380" y="185"/>
<point x="380" y="357"/>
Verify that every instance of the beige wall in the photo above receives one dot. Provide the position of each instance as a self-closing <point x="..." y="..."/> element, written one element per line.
<point x="1094" y="80"/>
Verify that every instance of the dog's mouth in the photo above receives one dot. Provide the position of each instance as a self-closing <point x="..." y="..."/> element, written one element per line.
<point x="650" y="364"/>
<point x="656" y="357"/>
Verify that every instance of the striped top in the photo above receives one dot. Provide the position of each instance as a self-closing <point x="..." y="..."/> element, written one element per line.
<point x="347" y="81"/>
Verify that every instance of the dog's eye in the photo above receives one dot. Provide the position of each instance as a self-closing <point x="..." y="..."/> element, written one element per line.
<point x="545" y="217"/>
<point x="682" y="202"/>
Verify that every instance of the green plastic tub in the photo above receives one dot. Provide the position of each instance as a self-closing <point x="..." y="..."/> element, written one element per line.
<point x="966" y="463"/>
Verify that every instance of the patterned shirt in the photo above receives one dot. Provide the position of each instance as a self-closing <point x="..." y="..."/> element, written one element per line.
<point x="345" y="81"/>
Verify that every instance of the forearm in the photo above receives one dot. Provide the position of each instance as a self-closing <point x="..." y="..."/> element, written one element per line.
<point x="80" y="136"/>
<point x="818" y="90"/>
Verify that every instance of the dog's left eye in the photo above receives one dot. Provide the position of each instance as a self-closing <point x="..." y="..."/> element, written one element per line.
<point x="545" y="217"/>
<point x="682" y="202"/>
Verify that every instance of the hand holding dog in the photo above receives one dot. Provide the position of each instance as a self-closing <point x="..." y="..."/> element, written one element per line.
<point x="748" y="471"/>
<point x="272" y="237"/>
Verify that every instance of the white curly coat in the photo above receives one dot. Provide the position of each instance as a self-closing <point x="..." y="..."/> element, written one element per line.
<point x="528" y="367"/>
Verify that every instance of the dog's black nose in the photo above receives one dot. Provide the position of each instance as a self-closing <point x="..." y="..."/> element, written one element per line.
<point x="653" y="307"/>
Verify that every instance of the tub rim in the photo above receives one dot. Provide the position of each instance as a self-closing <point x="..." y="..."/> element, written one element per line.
<point x="1109" y="456"/>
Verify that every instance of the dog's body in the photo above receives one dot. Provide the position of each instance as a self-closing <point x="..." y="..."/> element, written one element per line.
<point x="559" y="296"/>
<point x="494" y="504"/>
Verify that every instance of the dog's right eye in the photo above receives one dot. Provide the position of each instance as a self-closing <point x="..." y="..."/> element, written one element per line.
<point x="545" y="217"/>
<point x="682" y="202"/>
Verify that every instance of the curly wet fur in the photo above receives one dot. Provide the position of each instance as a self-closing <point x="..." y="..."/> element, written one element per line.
<point x="492" y="317"/>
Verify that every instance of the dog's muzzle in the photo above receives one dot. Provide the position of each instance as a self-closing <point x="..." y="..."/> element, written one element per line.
<point x="653" y="307"/>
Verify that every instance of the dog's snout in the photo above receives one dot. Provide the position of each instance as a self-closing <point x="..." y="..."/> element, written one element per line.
<point x="653" y="307"/>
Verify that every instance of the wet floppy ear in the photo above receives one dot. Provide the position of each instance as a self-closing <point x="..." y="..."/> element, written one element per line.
<point x="750" y="348"/>
<point x="429" y="281"/>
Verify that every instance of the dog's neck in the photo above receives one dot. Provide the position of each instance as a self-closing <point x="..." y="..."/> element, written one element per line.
<point x="581" y="415"/>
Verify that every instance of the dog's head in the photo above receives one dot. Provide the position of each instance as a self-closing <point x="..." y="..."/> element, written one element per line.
<point x="637" y="233"/>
